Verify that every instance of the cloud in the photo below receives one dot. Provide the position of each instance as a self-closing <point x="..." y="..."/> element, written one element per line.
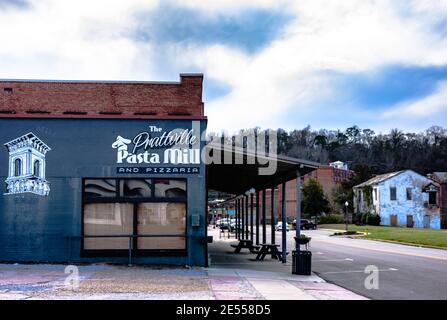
<point x="295" y="71"/>
<point x="427" y="107"/>
<point x="284" y="74"/>
<point x="73" y="40"/>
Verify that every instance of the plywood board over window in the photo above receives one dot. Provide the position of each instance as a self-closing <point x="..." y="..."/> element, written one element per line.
<point x="393" y="219"/>
<point x="150" y="211"/>
<point x="162" y="219"/>
<point x="107" y="219"/>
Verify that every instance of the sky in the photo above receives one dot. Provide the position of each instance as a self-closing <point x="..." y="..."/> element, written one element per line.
<point x="378" y="64"/>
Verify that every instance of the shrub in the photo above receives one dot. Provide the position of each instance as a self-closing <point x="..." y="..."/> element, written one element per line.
<point x="373" y="220"/>
<point x="331" y="219"/>
<point x="346" y="233"/>
<point x="357" y="218"/>
<point x="364" y="217"/>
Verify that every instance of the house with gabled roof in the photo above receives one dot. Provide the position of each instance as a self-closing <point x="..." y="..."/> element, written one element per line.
<point x="401" y="198"/>
<point x="441" y="179"/>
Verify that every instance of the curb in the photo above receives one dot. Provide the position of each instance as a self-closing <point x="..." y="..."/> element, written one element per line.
<point x="392" y="241"/>
<point x="409" y="244"/>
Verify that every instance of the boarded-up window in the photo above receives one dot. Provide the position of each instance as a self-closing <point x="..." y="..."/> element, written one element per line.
<point x="409" y="193"/>
<point x="107" y="219"/>
<point x="410" y="222"/>
<point x="151" y="211"/>
<point x="393" y="220"/>
<point x="164" y="218"/>
<point x="432" y="198"/>
<point x="393" y="193"/>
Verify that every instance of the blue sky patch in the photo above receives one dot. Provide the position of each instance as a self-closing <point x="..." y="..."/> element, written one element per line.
<point x="249" y="30"/>
<point x="6" y="4"/>
<point x="213" y="89"/>
<point x="391" y="85"/>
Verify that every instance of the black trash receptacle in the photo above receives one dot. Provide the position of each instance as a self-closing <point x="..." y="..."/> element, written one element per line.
<point x="302" y="264"/>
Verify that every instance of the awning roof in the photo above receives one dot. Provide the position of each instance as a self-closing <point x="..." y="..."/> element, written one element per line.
<point x="238" y="178"/>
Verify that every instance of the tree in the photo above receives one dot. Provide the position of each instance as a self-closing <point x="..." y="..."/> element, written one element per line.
<point x="423" y="152"/>
<point x="314" y="202"/>
<point x="344" y="191"/>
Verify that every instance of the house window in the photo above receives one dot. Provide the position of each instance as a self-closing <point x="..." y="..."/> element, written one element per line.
<point x="375" y="194"/>
<point x="17" y="167"/>
<point x="393" y="193"/>
<point x="37" y="168"/>
<point x="432" y="198"/>
<point x="152" y="210"/>
<point x="409" y="193"/>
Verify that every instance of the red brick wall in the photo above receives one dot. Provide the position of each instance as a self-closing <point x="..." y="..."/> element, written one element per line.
<point x="22" y="98"/>
<point x="443" y="199"/>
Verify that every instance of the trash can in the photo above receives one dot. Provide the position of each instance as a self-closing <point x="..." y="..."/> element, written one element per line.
<point x="302" y="263"/>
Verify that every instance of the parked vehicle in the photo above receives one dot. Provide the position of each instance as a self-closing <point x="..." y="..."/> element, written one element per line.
<point x="234" y="225"/>
<point x="279" y="226"/>
<point x="305" y="224"/>
<point x="223" y="223"/>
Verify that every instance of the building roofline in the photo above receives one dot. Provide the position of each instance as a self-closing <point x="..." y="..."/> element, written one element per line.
<point x="99" y="116"/>
<point x="104" y="81"/>
<point x="380" y="178"/>
<point x="371" y="181"/>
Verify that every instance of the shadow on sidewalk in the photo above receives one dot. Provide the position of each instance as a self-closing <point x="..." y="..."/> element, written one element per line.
<point x="222" y="255"/>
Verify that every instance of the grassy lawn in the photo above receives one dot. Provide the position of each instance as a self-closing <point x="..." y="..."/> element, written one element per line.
<point x="428" y="237"/>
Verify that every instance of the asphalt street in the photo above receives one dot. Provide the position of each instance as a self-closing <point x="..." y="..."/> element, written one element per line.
<point x="404" y="272"/>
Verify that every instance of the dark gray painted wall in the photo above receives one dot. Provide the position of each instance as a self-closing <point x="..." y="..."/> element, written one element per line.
<point x="37" y="228"/>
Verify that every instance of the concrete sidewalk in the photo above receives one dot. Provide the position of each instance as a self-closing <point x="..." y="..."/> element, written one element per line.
<point x="230" y="277"/>
<point x="252" y="284"/>
<point x="40" y="281"/>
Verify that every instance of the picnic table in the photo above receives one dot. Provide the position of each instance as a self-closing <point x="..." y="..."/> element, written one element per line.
<point x="268" y="248"/>
<point x="244" y="244"/>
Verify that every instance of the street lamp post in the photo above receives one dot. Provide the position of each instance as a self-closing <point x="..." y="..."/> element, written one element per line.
<point x="346" y="215"/>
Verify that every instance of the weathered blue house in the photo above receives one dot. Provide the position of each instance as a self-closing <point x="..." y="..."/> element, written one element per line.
<point x="401" y="198"/>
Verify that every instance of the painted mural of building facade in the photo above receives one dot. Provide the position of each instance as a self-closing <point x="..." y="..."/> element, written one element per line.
<point x="27" y="165"/>
<point x="402" y="198"/>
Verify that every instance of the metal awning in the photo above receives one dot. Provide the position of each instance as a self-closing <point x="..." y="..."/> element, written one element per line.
<point x="238" y="178"/>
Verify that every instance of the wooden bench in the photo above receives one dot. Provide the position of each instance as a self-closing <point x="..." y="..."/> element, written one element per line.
<point x="267" y="248"/>
<point x="244" y="244"/>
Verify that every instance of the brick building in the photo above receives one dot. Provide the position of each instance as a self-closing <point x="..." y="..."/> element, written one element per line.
<point x="441" y="179"/>
<point x="329" y="176"/>
<point x="94" y="170"/>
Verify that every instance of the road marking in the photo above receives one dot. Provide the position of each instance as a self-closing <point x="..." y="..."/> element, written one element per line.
<point x="387" y="251"/>
<point x="244" y="263"/>
<point x="334" y="260"/>
<point x="358" y="271"/>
